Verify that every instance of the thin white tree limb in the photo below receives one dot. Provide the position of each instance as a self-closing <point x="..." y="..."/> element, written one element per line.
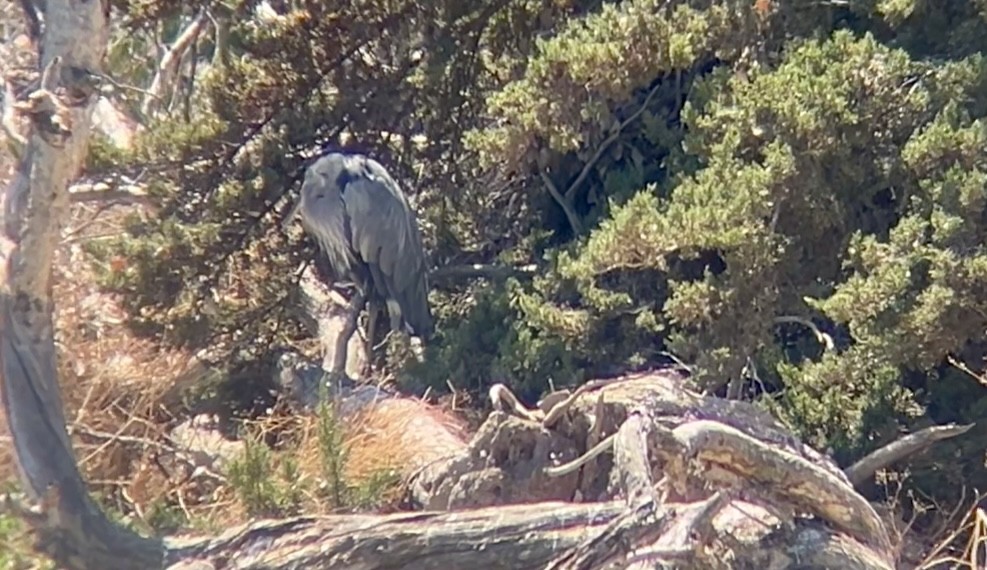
<point x="164" y="79"/>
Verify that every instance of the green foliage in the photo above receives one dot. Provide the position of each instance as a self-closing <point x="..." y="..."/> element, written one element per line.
<point x="264" y="490"/>
<point x="842" y="403"/>
<point x="681" y="175"/>
<point x="372" y="492"/>
<point x="333" y="454"/>
<point x="165" y="517"/>
<point x="16" y="552"/>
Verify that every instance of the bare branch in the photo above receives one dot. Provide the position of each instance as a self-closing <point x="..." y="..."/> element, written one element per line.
<point x="164" y="79"/>
<point x="604" y="446"/>
<point x="571" y="190"/>
<point x="69" y="526"/>
<point x="103" y="193"/>
<point x="823" y="338"/>
<point x="899" y="449"/>
<point x="221" y="26"/>
<point x="564" y="202"/>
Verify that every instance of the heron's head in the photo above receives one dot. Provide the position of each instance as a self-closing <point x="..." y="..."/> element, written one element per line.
<point x="327" y="166"/>
<point x="321" y="175"/>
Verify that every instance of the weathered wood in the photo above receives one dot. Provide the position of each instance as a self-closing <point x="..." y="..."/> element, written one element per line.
<point x="69" y="525"/>
<point x="901" y="448"/>
<point x="700" y="445"/>
<point x="706" y="452"/>
<point x="632" y="464"/>
<point x="513" y="458"/>
<point x="510" y="537"/>
<point x="643" y="524"/>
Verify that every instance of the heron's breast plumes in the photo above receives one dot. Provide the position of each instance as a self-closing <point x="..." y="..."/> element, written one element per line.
<point x="324" y="218"/>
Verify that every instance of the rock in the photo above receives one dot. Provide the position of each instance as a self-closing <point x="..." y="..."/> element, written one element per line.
<point x="206" y="446"/>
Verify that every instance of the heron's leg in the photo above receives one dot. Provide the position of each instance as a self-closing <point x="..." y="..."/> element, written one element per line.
<point x="394" y="312"/>
<point x="373" y="308"/>
<point x="338" y="371"/>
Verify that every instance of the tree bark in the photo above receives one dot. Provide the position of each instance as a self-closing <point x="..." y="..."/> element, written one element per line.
<point x="70" y="526"/>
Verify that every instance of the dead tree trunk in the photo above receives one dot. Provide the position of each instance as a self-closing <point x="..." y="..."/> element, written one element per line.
<point x="70" y="526"/>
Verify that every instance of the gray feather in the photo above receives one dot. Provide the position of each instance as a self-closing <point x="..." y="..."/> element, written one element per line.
<point x="362" y="220"/>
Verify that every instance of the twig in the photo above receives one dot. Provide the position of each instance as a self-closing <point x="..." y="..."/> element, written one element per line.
<point x="501" y="398"/>
<point x="100" y="192"/>
<point x="566" y="468"/>
<point x="174" y="450"/>
<point x="900" y="449"/>
<point x="564" y="202"/>
<point x="120" y="85"/>
<point x="607" y="141"/>
<point x="678" y="361"/>
<point x="190" y="89"/>
<point x="221" y="51"/>
<point x="932" y="559"/>
<point x="560" y="409"/>
<point x="823" y="338"/>
<point x="966" y="369"/>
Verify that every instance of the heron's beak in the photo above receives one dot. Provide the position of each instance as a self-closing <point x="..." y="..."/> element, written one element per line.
<point x="291" y="215"/>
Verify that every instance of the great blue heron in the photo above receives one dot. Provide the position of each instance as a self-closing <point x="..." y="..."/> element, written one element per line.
<point x="362" y="222"/>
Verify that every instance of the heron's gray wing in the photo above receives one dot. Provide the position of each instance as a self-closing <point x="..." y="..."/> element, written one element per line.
<point x="385" y="234"/>
<point x="325" y="216"/>
<point x="383" y="228"/>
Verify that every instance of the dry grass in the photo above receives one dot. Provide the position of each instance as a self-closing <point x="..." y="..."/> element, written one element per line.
<point x="120" y="399"/>
<point x="963" y="546"/>
<point x="398" y="435"/>
<point x="391" y="438"/>
<point x="114" y="385"/>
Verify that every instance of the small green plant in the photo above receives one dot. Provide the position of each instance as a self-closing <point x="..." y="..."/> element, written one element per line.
<point x="374" y="491"/>
<point x="15" y="548"/>
<point x="292" y="486"/>
<point x="165" y="516"/>
<point x="251" y="476"/>
<point x="332" y="452"/>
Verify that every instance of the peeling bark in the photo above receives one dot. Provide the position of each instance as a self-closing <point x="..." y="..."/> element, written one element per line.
<point x="69" y="526"/>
